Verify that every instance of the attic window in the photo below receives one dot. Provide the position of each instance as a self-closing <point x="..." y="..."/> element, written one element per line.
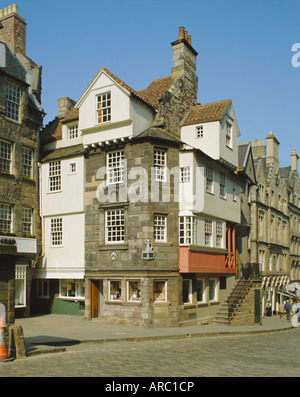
<point x="104" y="108"/>
<point x="73" y="132"/>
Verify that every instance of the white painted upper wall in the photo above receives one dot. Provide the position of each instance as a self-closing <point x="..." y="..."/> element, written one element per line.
<point x="67" y="260"/>
<point x="70" y="198"/>
<point x="213" y="141"/>
<point x="195" y="199"/>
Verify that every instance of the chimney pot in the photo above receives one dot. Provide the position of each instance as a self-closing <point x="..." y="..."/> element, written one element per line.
<point x="189" y="39"/>
<point x="181" y="33"/>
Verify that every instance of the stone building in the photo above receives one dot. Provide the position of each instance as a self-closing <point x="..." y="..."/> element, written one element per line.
<point x="274" y="211"/>
<point x="291" y="175"/>
<point x="246" y="171"/>
<point x="21" y="117"/>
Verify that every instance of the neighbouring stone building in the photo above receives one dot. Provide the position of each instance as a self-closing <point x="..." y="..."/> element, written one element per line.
<point x="271" y="213"/>
<point x="21" y="117"/>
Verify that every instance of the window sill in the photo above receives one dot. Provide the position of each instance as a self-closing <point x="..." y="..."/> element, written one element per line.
<point x="112" y="247"/>
<point x="13" y="121"/>
<point x="7" y="175"/>
<point x="161" y="244"/>
<point x="71" y="298"/>
<point x="29" y="180"/>
<point x="54" y="191"/>
<point x="161" y="303"/>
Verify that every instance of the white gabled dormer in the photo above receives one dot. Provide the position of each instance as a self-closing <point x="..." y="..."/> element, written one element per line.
<point x="110" y="109"/>
<point x="213" y="129"/>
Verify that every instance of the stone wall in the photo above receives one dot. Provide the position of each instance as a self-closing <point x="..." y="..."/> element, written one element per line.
<point x="129" y="264"/>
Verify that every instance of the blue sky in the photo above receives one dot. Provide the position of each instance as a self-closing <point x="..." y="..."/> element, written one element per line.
<point x="244" y="53"/>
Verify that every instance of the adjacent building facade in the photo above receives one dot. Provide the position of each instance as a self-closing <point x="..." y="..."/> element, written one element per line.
<point x="271" y="217"/>
<point x="21" y="117"/>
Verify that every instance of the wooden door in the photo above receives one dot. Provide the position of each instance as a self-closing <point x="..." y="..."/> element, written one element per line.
<point x="94" y="299"/>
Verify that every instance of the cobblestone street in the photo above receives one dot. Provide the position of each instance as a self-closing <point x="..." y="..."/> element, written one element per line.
<point x="276" y="355"/>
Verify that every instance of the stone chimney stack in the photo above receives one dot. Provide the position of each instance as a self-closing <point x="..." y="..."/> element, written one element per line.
<point x="184" y="59"/>
<point x="13" y="29"/>
<point x="294" y="161"/>
<point x="272" y="148"/>
<point x="65" y="104"/>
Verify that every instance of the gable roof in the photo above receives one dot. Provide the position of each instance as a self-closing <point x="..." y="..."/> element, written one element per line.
<point x="121" y="83"/>
<point x="208" y="112"/>
<point x="245" y="161"/>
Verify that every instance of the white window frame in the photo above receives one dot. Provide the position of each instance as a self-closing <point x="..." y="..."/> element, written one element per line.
<point x="13" y="102"/>
<point x="56" y="232"/>
<point x="228" y="133"/>
<point x="6" y="149"/>
<point x="115" y="291"/>
<point x="234" y="195"/>
<point x="115" y="167"/>
<point x="103" y="107"/>
<point x="185" y="174"/>
<point x="73" y="131"/>
<point x="187" y="230"/>
<point x="160" y="165"/>
<point x="203" y="290"/>
<point x="72" y="167"/>
<point x="209" y="180"/>
<point x="160" y="295"/>
<point x="222" y="186"/>
<point x="208" y="232"/>
<point x="115" y="226"/>
<point x="54" y="177"/>
<point x="219" y="234"/>
<point x="189" y="283"/>
<point x="199" y="132"/>
<point x="215" y="297"/>
<point x="20" y="285"/>
<point x="27" y="220"/>
<point x="134" y="291"/>
<point x="160" y="228"/>
<point x="27" y="163"/>
<point x="6" y="218"/>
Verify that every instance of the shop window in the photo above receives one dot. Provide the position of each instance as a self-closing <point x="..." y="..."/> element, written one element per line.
<point x="200" y="290"/>
<point x="115" y="290"/>
<point x="133" y="291"/>
<point x="212" y="284"/>
<point x="70" y="288"/>
<point x="160" y="291"/>
<point x="187" y="294"/>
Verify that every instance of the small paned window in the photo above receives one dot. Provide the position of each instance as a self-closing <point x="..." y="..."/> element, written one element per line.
<point x="104" y="108"/>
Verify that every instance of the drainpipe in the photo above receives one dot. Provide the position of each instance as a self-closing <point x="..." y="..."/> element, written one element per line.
<point x="40" y="211"/>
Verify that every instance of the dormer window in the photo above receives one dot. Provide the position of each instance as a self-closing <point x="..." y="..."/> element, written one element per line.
<point x="104" y="108"/>
<point x="73" y="132"/>
<point x="13" y="101"/>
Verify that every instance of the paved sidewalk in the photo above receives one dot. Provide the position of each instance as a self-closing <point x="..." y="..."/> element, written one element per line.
<point x="53" y="332"/>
